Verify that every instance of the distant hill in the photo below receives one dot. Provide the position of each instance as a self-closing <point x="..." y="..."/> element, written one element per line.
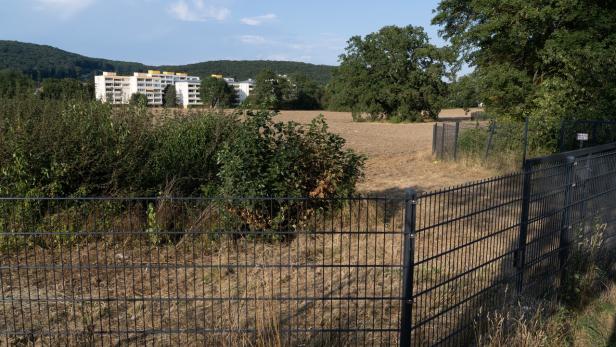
<point x="40" y="62"/>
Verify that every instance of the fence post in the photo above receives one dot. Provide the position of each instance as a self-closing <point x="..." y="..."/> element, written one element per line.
<point x="520" y="255"/>
<point x="443" y="142"/>
<point x="434" y="130"/>
<point x="525" y="140"/>
<point x="406" y="317"/>
<point x="565" y="228"/>
<point x="455" y="144"/>
<point x="489" y="143"/>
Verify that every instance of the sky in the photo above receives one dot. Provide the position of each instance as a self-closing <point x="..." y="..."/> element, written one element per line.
<point x="161" y="32"/>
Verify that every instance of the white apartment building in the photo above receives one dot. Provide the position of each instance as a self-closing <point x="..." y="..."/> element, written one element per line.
<point x="109" y="87"/>
<point x="188" y="93"/>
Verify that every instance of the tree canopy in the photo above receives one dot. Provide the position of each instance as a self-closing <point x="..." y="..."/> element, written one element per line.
<point x="14" y="83"/>
<point x="548" y="59"/>
<point x="217" y="93"/>
<point x="170" y="96"/>
<point x="66" y="89"/>
<point x="393" y="73"/>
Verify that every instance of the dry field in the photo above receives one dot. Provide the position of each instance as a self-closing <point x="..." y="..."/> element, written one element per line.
<point x="399" y="155"/>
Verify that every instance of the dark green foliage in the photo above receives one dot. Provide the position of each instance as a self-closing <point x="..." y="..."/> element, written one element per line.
<point x="58" y="148"/>
<point x="138" y="99"/>
<point x="245" y="69"/>
<point x="216" y="92"/>
<point x="40" y="62"/>
<point x="281" y="92"/>
<point x="270" y="159"/>
<point x="306" y="94"/>
<point x="170" y="96"/>
<point x="183" y="153"/>
<point x="66" y="89"/>
<point x="271" y="92"/>
<point x="14" y="83"/>
<point x="393" y="73"/>
<point x="464" y="93"/>
<point x="547" y="60"/>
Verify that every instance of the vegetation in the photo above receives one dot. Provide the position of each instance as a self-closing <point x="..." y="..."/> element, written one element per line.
<point x="216" y="92"/>
<point x="393" y="74"/>
<point x="245" y="69"/>
<point x="78" y="148"/>
<point x="13" y="83"/>
<point x="170" y="96"/>
<point x="273" y="159"/>
<point x="295" y="92"/>
<point x="549" y="60"/>
<point x="40" y="62"/>
<point x="138" y="99"/>
<point x="464" y="92"/>
<point x="66" y="89"/>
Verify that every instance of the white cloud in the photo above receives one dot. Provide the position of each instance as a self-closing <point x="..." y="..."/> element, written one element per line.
<point x="258" y="20"/>
<point x="63" y="8"/>
<point x="253" y="40"/>
<point x="198" y="11"/>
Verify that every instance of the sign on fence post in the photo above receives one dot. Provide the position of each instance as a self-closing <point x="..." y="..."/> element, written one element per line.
<point x="406" y="316"/>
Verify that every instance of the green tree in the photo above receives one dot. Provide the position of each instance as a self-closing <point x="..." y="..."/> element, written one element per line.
<point x="271" y="90"/>
<point x="66" y="89"/>
<point x="170" y="96"/>
<point x="464" y="92"/>
<point x="138" y="99"/>
<point x="14" y="83"/>
<point x="306" y="94"/>
<point x="217" y="93"/>
<point x="394" y="72"/>
<point x="548" y="60"/>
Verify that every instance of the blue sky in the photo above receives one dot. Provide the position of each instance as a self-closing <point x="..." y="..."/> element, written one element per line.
<point x="186" y="31"/>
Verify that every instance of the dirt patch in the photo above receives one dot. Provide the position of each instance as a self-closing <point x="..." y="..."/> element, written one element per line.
<point x="399" y="155"/>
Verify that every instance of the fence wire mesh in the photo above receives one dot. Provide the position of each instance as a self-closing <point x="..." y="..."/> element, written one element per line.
<point x="172" y="271"/>
<point x="424" y="269"/>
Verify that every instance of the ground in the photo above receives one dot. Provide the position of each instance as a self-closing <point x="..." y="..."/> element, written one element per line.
<point x="399" y="155"/>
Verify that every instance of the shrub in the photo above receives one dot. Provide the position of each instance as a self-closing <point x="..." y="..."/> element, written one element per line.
<point x="273" y="159"/>
<point x="184" y="151"/>
<point x="62" y="148"/>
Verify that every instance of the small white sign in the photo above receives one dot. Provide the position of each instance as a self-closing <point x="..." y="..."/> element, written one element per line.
<point x="582" y="136"/>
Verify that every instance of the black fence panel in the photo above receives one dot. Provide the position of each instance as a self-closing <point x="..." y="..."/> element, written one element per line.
<point x="173" y="271"/>
<point x="420" y="270"/>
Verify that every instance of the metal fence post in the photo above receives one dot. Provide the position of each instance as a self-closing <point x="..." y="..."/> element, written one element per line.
<point x="489" y="143"/>
<point x="443" y="143"/>
<point x="455" y="144"/>
<point x="565" y="228"/>
<point x="520" y="255"/>
<point x="406" y="316"/>
<point x="525" y="141"/>
<point x="434" y="130"/>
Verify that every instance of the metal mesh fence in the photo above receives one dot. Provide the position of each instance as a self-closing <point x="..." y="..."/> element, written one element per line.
<point x="420" y="270"/>
<point x="172" y="271"/>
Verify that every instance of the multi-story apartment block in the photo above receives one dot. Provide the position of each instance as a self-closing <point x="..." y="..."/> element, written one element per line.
<point x="118" y="89"/>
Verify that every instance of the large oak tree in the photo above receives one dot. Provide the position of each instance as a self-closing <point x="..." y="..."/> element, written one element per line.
<point x="395" y="72"/>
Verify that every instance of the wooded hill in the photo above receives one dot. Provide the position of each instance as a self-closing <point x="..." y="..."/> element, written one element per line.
<point x="41" y="61"/>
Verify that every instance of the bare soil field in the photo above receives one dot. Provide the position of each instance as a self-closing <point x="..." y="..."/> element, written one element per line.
<point x="399" y="155"/>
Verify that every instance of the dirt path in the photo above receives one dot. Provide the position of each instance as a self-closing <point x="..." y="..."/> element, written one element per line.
<point x="399" y="155"/>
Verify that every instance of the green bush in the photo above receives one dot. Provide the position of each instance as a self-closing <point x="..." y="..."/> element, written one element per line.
<point x="184" y="153"/>
<point x="271" y="159"/>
